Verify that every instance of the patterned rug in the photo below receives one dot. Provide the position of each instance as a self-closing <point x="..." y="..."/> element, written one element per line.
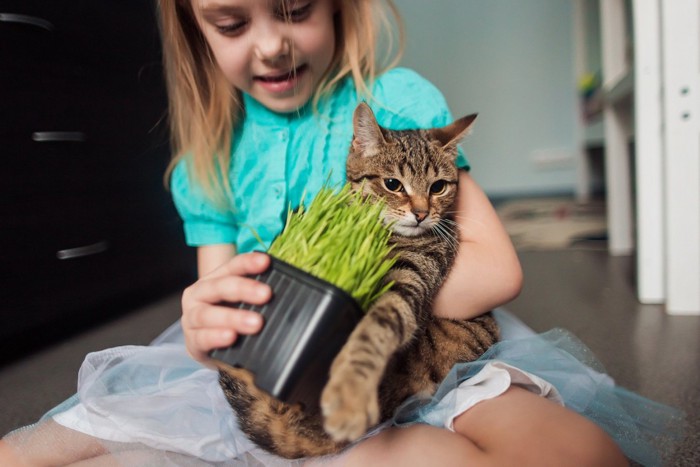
<point x="554" y="223"/>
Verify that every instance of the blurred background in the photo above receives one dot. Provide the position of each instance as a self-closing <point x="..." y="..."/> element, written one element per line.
<point x="513" y="63"/>
<point x="588" y="99"/>
<point x="87" y="227"/>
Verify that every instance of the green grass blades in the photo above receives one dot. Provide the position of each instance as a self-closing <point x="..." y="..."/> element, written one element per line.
<point x="341" y="239"/>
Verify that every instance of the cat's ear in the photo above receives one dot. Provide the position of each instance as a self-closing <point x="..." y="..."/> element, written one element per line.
<point x="448" y="136"/>
<point x="367" y="137"/>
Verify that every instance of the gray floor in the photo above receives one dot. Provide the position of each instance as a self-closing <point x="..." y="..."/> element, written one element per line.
<point x="641" y="347"/>
<point x="585" y="291"/>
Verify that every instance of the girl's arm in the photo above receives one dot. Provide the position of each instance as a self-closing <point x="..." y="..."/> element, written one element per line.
<point x="487" y="271"/>
<point x="211" y="257"/>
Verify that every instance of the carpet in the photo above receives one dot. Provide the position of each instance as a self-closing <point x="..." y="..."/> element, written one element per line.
<point x="554" y="223"/>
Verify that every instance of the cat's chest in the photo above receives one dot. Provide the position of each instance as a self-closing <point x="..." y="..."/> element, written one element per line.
<point x="429" y="244"/>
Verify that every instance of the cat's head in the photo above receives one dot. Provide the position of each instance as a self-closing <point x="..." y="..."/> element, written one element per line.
<point x="412" y="170"/>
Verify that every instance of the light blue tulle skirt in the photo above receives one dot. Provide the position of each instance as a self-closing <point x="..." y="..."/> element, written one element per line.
<point x="172" y="408"/>
<point x="645" y="430"/>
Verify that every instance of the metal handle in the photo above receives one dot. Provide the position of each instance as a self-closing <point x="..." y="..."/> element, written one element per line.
<point x="26" y="19"/>
<point x="62" y="136"/>
<point x="81" y="251"/>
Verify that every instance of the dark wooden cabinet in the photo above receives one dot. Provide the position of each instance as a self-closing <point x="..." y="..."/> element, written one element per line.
<point x="86" y="224"/>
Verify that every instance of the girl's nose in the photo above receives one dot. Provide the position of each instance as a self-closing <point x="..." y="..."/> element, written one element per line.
<point x="272" y="44"/>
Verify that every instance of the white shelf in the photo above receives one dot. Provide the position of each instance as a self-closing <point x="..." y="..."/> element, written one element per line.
<point x="650" y="99"/>
<point x="621" y="91"/>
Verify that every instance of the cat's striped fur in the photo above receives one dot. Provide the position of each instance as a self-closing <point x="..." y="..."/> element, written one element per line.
<point x="399" y="348"/>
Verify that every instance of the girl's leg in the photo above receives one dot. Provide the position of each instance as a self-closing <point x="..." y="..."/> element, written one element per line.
<point x="48" y="443"/>
<point x="417" y="445"/>
<point x="139" y="457"/>
<point x="516" y="428"/>
<point x="8" y="456"/>
<point x="523" y="428"/>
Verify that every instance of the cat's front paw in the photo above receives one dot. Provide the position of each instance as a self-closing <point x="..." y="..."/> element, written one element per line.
<point x="349" y="407"/>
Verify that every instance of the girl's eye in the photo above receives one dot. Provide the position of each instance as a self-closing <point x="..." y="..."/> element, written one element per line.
<point x="438" y="187"/>
<point x="393" y="185"/>
<point x="231" y="29"/>
<point x="301" y="13"/>
<point x="294" y="12"/>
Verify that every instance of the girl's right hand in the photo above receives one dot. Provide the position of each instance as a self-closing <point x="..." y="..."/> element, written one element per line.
<point x="207" y="324"/>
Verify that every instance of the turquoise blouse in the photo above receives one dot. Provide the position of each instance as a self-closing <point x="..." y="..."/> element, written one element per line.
<point x="278" y="159"/>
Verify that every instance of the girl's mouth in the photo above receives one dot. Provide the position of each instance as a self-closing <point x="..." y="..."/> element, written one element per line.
<point x="281" y="82"/>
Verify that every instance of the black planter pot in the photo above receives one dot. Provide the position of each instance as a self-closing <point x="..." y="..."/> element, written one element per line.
<point x="307" y="321"/>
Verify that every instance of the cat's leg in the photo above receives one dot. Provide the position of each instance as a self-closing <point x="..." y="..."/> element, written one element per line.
<point x="420" y="367"/>
<point x="280" y="428"/>
<point x="349" y="401"/>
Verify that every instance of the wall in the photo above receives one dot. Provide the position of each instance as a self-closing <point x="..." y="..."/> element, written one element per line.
<point x="512" y="62"/>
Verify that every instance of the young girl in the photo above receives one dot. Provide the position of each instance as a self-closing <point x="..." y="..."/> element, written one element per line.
<point x="261" y="100"/>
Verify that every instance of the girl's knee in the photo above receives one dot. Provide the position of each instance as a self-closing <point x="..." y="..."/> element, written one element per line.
<point x="593" y="447"/>
<point x="10" y="456"/>
<point x="578" y="441"/>
<point x="521" y="428"/>
<point x="417" y="445"/>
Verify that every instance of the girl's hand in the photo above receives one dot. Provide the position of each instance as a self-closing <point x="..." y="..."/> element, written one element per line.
<point x="207" y="324"/>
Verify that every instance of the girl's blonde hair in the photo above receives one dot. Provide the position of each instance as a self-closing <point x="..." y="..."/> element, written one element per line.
<point x="204" y="107"/>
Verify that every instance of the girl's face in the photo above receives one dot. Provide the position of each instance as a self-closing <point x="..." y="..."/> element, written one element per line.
<point x="275" y="50"/>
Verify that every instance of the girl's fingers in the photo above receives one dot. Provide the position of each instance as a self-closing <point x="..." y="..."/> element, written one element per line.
<point x="208" y="324"/>
<point x="227" y="289"/>
<point x="201" y="342"/>
<point x="222" y="327"/>
<point x="225" y="318"/>
<point x="242" y="265"/>
<point x="228" y="283"/>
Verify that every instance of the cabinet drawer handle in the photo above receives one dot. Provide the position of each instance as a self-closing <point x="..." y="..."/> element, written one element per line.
<point x="87" y="250"/>
<point x="49" y="136"/>
<point x="25" y="19"/>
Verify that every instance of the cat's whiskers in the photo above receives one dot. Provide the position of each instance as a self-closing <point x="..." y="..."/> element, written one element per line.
<point x="444" y="230"/>
<point x="467" y="219"/>
<point x="454" y="225"/>
<point x="449" y="221"/>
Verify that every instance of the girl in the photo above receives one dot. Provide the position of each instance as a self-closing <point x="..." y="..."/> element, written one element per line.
<point x="261" y="99"/>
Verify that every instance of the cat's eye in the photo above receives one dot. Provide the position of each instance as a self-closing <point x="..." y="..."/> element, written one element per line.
<point x="393" y="185"/>
<point x="438" y="187"/>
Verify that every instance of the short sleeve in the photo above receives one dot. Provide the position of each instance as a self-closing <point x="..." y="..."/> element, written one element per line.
<point x="204" y="224"/>
<point x="403" y="99"/>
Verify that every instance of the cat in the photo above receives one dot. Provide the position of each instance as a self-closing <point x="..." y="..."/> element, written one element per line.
<point x="399" y="348"/>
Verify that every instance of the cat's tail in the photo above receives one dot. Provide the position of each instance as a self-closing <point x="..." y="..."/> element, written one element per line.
<point x="282" y="429"/>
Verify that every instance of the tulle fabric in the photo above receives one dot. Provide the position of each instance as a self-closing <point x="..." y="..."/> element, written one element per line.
<point x="155" y="406"/>
<point x="148" y="406"/>
<point x="645" y="430"/>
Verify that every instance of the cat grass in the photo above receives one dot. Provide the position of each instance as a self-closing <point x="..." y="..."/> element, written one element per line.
<point x="340" y="238"/>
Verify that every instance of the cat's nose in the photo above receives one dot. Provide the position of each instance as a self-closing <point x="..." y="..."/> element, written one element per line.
<point x="420" y="216"/>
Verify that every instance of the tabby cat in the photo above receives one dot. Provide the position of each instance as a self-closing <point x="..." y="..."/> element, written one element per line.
<point x="399" y="348"/>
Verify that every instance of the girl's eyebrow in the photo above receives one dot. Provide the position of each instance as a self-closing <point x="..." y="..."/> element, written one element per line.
<point x="214" y="8"/>
<point x="218" y="8"/>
